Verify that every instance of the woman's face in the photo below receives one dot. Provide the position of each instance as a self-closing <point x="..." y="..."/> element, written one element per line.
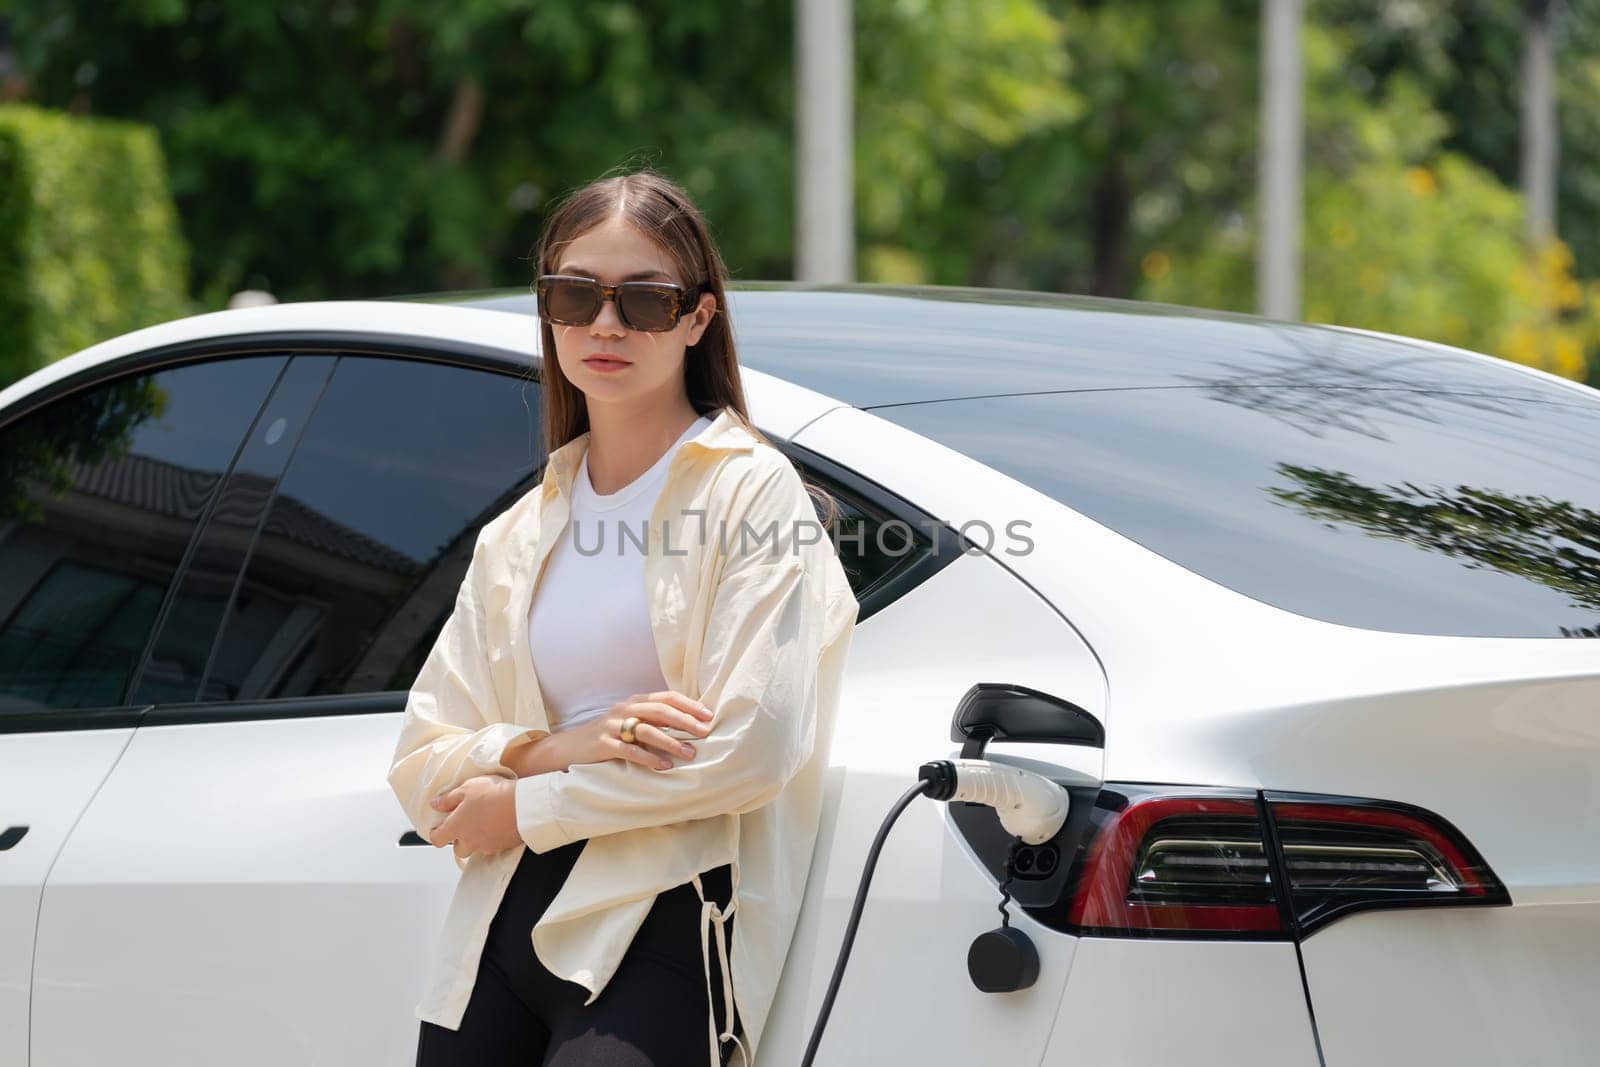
<point x="614" y="252"/>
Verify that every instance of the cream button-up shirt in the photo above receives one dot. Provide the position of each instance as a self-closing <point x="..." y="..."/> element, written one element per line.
<point x="752" y="615"/>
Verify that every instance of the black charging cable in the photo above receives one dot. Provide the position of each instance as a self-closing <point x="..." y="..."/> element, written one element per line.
<point x="1031" y="808"/>
<point x="900" y="805"/>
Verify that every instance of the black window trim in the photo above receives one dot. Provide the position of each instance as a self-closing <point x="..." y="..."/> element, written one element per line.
<point x="321" y="342"/>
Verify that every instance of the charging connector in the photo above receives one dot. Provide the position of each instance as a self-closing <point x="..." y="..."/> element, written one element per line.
<point x="1031" y="807"/>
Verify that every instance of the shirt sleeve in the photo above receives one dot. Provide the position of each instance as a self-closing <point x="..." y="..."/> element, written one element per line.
<point x="758" y="671"/>
<point x="453" y="727"/>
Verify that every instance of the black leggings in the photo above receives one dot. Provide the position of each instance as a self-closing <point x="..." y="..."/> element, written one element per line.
<point x="652" y="1012"/>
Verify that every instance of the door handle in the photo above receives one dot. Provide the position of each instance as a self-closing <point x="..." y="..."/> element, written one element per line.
<point x="11" y="835"/>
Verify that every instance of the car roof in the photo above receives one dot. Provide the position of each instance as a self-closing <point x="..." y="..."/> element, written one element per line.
<point x="885" y="345"/>
<point x="872" y="345"/>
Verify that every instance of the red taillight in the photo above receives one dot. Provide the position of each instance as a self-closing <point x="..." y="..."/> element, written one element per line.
<point x="1174" y="864"/>
<point x="1342" y="855"/>
<point x="1173" y="861"/>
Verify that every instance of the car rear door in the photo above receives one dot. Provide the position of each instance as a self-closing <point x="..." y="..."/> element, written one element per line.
<point x="101" y="489"/>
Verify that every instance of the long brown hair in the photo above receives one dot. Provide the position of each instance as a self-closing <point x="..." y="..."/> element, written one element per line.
<point x="660" y="209"/>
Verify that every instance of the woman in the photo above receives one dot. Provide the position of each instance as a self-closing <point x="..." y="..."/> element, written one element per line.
<point x="622" y="728"/>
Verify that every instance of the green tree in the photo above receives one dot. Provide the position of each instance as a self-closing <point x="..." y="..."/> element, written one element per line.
<point x="1466" y="55"/>
<point x="89" y="240"/>
<point x="1401" y="233"/>
<point x="358" y="147"/>
<point x="347" y="148"/>
<point x="1154" y="143"/>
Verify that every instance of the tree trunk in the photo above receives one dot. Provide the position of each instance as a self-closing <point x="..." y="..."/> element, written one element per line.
<point x="1539" y="124"/>
<point x="461" y="125"/>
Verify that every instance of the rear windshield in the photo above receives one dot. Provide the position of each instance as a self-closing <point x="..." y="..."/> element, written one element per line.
<point x="1431" y="496"/>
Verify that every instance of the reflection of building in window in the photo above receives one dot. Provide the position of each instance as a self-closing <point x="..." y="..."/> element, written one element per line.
<point x="75" y="636"/>
<point x="304" y="570"/>
<point x="81" y="591"/>
<point x="85" y="572"/>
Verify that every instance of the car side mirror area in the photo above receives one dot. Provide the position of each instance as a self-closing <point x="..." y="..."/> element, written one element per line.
<point x="1002" y="711"/>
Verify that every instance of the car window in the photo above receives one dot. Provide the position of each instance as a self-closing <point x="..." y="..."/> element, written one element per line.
<point x="886" y="546"/>
<point x="871" y="545"/>
<point x="368" y="534"/>
<point x="1417" y="506"/>
<point x="100" y="492"/>
<point x="178" y="662"/>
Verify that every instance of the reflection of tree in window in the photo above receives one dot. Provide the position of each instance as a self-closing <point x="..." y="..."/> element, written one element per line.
<point x="89" y="429"/>
<point x="1319" y="390"/>
<point x="1553" y="542"/>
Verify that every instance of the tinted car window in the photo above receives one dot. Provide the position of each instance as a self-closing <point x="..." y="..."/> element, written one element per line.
<point x="872" y="545"/>
<point x="1417" y="503"/>
<point x="178" y="663"/>
<point x="99" y="495"/>
<point x="371" y="527"/>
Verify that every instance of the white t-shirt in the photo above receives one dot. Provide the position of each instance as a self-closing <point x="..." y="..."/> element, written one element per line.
<point x="589" y="624"/>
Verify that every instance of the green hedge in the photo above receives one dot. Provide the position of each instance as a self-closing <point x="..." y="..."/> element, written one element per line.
<point x="89" y="240"/>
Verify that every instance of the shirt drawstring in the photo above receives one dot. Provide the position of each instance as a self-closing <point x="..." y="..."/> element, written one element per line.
<point x="713" y="917"/>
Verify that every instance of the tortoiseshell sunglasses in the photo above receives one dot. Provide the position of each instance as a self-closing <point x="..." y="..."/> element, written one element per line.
<point x="573" y="300"/>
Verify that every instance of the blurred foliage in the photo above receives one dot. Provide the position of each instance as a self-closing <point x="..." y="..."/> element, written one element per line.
<point x="1401" y="234"/>
<point x="1466" y="55"/>
<point x="918" y="122"/>
<point x="1152" y="141"/>
<point x="346" y="148"/>
<point x="89" y="242"/>
<point x="337" y="149"/>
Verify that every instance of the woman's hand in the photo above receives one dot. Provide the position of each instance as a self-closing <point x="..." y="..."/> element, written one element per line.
<point x="483" y="816"/>
<point x="599" y="739"/>
<point x="483" y="809"/>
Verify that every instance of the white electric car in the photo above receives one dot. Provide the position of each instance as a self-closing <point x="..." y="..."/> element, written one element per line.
<point x="1303" y="619"/>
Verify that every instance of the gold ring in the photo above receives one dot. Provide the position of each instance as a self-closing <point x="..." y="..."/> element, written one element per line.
<point x="629" y="725"/>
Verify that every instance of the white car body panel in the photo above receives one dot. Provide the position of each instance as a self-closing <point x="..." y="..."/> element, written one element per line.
<point x="46" y="782"/>
<point x="238" y="892"/>
<point x="1473" y="985"/>
<point x="1200" y="1003"/>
